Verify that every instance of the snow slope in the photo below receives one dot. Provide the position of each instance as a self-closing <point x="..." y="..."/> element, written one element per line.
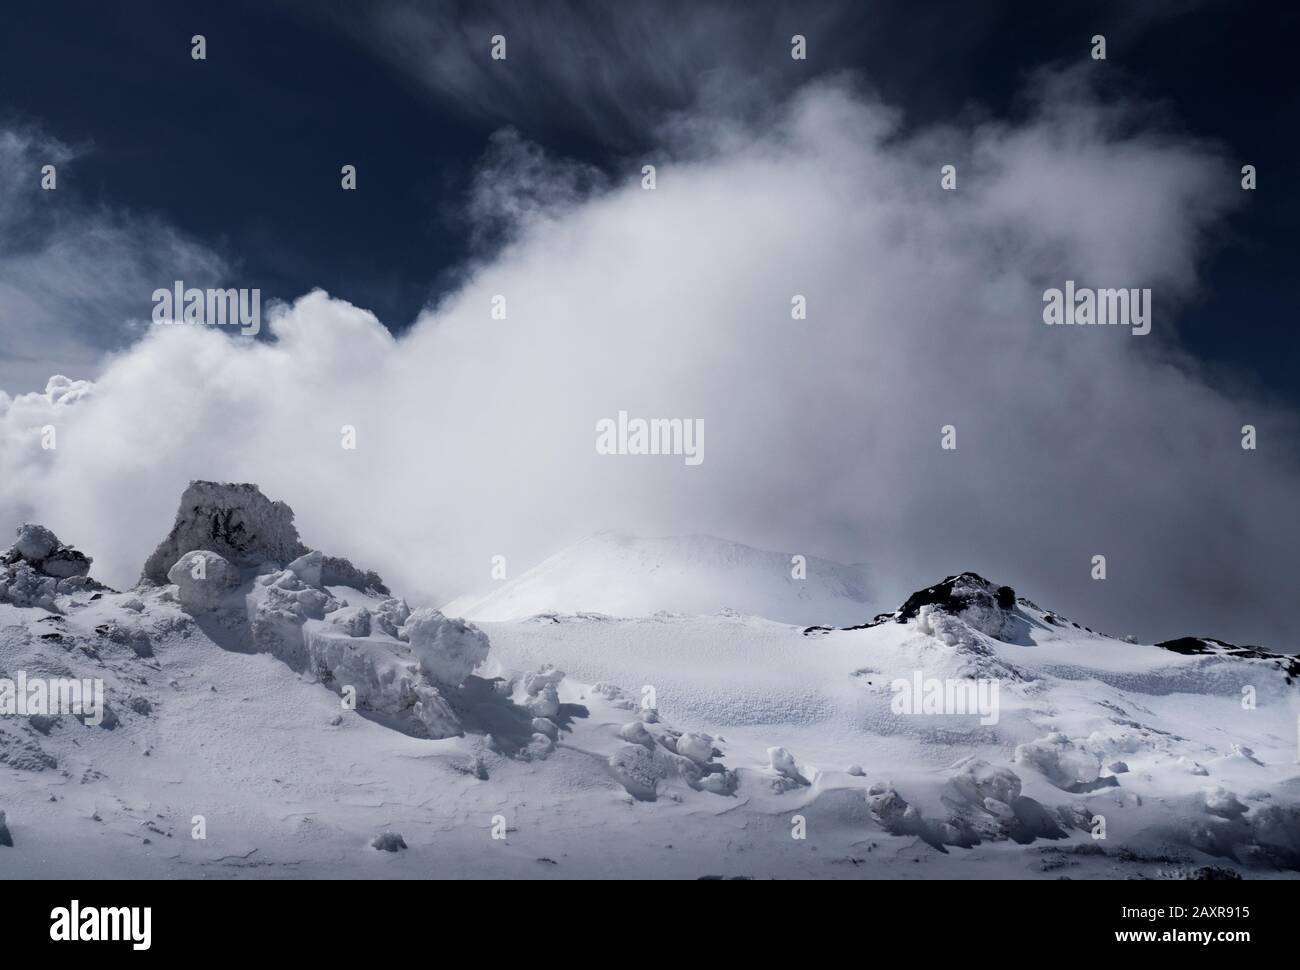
<point x="619" y="575"/>
<point x="662" y="746"/>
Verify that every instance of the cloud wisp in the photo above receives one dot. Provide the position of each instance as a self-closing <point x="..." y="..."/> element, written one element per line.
<point x="75" y="277"/>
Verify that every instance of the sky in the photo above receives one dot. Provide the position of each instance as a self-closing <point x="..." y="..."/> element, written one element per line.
<point x="521" y="177"/>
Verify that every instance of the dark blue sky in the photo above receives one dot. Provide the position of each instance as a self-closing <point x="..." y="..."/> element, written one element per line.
<point x="243" y="152"/>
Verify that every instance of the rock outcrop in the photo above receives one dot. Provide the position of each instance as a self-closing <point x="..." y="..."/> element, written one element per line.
<point x="38" y="567"/>
<point x="237" y="522"/>
<point x="248" y="530"/>
<point x="234" y="551"/>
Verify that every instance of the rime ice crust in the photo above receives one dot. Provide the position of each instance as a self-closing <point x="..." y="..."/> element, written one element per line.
<point x="237" y="522"/>
<point x="243" y="526"/>
<point x="448" y="649"/>
<point x="246" y="563"/>
<point x="202" y="580"/>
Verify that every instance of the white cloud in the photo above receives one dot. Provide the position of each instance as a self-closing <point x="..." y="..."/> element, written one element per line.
<point x="476" y="437"/>
<point x="75" y="278"/>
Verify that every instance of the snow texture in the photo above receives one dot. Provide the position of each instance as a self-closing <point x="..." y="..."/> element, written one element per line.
<point x="311" y="721"/>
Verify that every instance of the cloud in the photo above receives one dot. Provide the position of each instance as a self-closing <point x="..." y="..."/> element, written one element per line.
<point x="613" y="74"/>
<point x="609" y="73"/>
<point x="476" y="436"/>
<point x="75" y="278"/>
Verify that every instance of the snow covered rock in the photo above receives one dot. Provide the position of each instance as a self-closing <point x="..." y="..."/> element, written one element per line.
<point x="448" y="649"/>
<point x="34" y="542"/>
<point x="783" y="763"/>
<point x="65" y="563"/>
<point x="1223" y="803"/>
<point x="546" y="703"/>
<point x="536" y="681"/>
<point x="351" y="620"/>
<point x="980" y="782"/>
<point x="887" y="806"/>
<point x="635" y="732"/>
<point x="637" y="771"/>
<point x="984" y="605"/>
<point x="22" y="585"/>
<point x="720" y="783"/>
<point x="539" y="746"/>
<point x="247" y="529"/>
<point x="388" y="842"/>
<point x="128" y="636"/>
<point x="203" y="579"/>
<point x="391" y="615"/>
<point x="1064" y="763"/>
<point x="237" y="522"/>
<point x="1288" y="664"/>
<point x="697" y="747"/>
<point x="543" y="725"/>
<point x="380" y="680"/>
<point x="307" y="568"/>
<point x="38" y="567"/>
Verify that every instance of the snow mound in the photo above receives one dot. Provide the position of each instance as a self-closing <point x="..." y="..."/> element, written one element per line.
<point x="619" y="575"/>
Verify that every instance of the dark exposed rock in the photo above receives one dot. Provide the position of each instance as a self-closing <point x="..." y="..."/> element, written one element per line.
<point x="43" y="723"/>
<point x="966" y="591"/>
<point x="1214" y="874"/>
<point x="957" y="593"/>
<point x="954" y="595"/>
<point x="336" y="571"/>
<point x="389" y="842"/>
<point x="1208" y="646"/>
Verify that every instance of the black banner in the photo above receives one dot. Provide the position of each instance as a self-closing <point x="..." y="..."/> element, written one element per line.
<point x="340" y="918"/>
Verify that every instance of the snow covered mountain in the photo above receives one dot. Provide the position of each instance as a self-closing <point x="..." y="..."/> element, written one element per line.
<point x="267" y="711"/>
<point x="619" y="575"/>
